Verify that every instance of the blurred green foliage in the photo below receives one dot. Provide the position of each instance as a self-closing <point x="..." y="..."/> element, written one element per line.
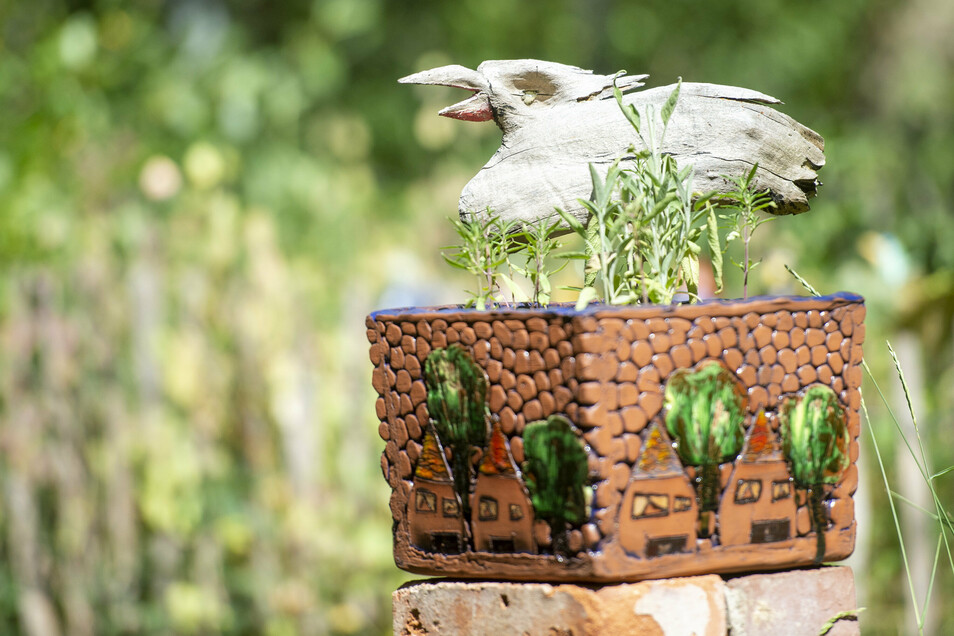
<point x="200" y="200"/>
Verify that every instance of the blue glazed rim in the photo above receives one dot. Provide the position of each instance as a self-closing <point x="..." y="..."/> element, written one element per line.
<point x="568" y="309"/>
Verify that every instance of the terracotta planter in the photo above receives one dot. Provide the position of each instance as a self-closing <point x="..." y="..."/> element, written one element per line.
<point x="607" y="370"/>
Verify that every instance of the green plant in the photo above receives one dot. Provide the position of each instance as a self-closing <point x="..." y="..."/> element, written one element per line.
<point x="705" y="410"/>
<point x="484" y="247"/>
<point x="642" y="237"/>
<point x="746" y="202"/>
<point x="815" y="441"/>
<point x="555" y="469"/>
<point x="457" y="404"/>
<point x="540" y="242"/>
<point x="943" y="517"/>
<point x="488" y="245"/>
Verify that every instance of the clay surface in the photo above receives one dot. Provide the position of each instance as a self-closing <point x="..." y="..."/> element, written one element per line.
<point x="606" y="369"/>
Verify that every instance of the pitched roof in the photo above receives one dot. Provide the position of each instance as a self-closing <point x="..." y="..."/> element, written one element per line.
<point x="762" y="443"/>
<point x="432" y="464"/>
<point x="657" y="458"/>
<point x="497" y="459"/>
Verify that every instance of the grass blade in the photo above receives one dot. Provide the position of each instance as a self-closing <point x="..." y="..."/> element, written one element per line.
<point x="943" y="472"/>
<point x="903" y="499"/>
<point x="894" y="509"/>
<point x="805" y="283"/>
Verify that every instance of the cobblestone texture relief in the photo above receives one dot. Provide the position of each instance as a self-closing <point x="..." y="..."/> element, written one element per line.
<point x="606" y="370"/>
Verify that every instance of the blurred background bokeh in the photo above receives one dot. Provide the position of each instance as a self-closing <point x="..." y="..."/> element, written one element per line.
<point x="200" y="200"/>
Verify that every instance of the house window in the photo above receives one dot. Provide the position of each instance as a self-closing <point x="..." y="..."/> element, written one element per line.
<point x="450" y="507"/>
<point x="487" y="509"/>
<point x="660" y="546"/>
<point x="446" y="543"/>
<point x="516" y="512"/>
<point x="781" y="490"/>
<point x="650" y="506"/>
<point x="681" y="504"/>
<point x="748" y="491"/>
<point x="770" y="531"/>
<point x="425" y="501"/>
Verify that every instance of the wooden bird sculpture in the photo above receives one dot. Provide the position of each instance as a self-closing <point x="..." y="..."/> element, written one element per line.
<point x="558" y="119"/>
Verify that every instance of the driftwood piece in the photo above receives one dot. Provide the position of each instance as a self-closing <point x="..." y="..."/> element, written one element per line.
<point x="557" y="120"/>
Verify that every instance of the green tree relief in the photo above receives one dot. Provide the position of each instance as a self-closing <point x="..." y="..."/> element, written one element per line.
<point x="705" y="409"/>
<point x="457" y="404"/>
<point x="555" y="470"/>
<point x="815" y="442"/>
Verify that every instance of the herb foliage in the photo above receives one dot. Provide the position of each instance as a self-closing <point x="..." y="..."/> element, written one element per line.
<point x="643" y="236"/>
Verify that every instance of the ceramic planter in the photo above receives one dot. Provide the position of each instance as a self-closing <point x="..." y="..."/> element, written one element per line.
<point x="714" y="437"/>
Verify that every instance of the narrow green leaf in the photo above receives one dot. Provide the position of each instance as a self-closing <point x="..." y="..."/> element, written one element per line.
<point x="750" y="175"/>
<point x="702" y="199"/>
<point x="519" y="295"/>
<point x="590" y="206"/>
<point x="599" y="187"/>
<point x="669" y="198"/>
<point x="572" y="221"/>
<point x="690" y="273"/>
<point x="454" y="263"/>
<point x="587" y="295"/>
<point x="629" y="111"/>
<point x="670" y="104"/>
<point x="632" y="115"/>
<point x="943" y="472"/>
<point x="545" y="286"/>
<point x="896" y="495"/>
<point x="576" y="256"/>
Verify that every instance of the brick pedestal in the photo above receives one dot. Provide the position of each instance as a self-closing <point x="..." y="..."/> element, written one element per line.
<point x="792" y="603"/>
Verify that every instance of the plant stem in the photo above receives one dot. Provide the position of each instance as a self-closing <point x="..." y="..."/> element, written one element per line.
<point x="538" y="262"/>
<point x="816" y="496"/>
<point x="558" y="535"/>
<point x="462" y="470"/>
<point x="746" y="236"/>
<point x="604" y="265"/>
<point x="642" y="261"/>
<point x="708" y="487"/>
<point x="488" y="271"/>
